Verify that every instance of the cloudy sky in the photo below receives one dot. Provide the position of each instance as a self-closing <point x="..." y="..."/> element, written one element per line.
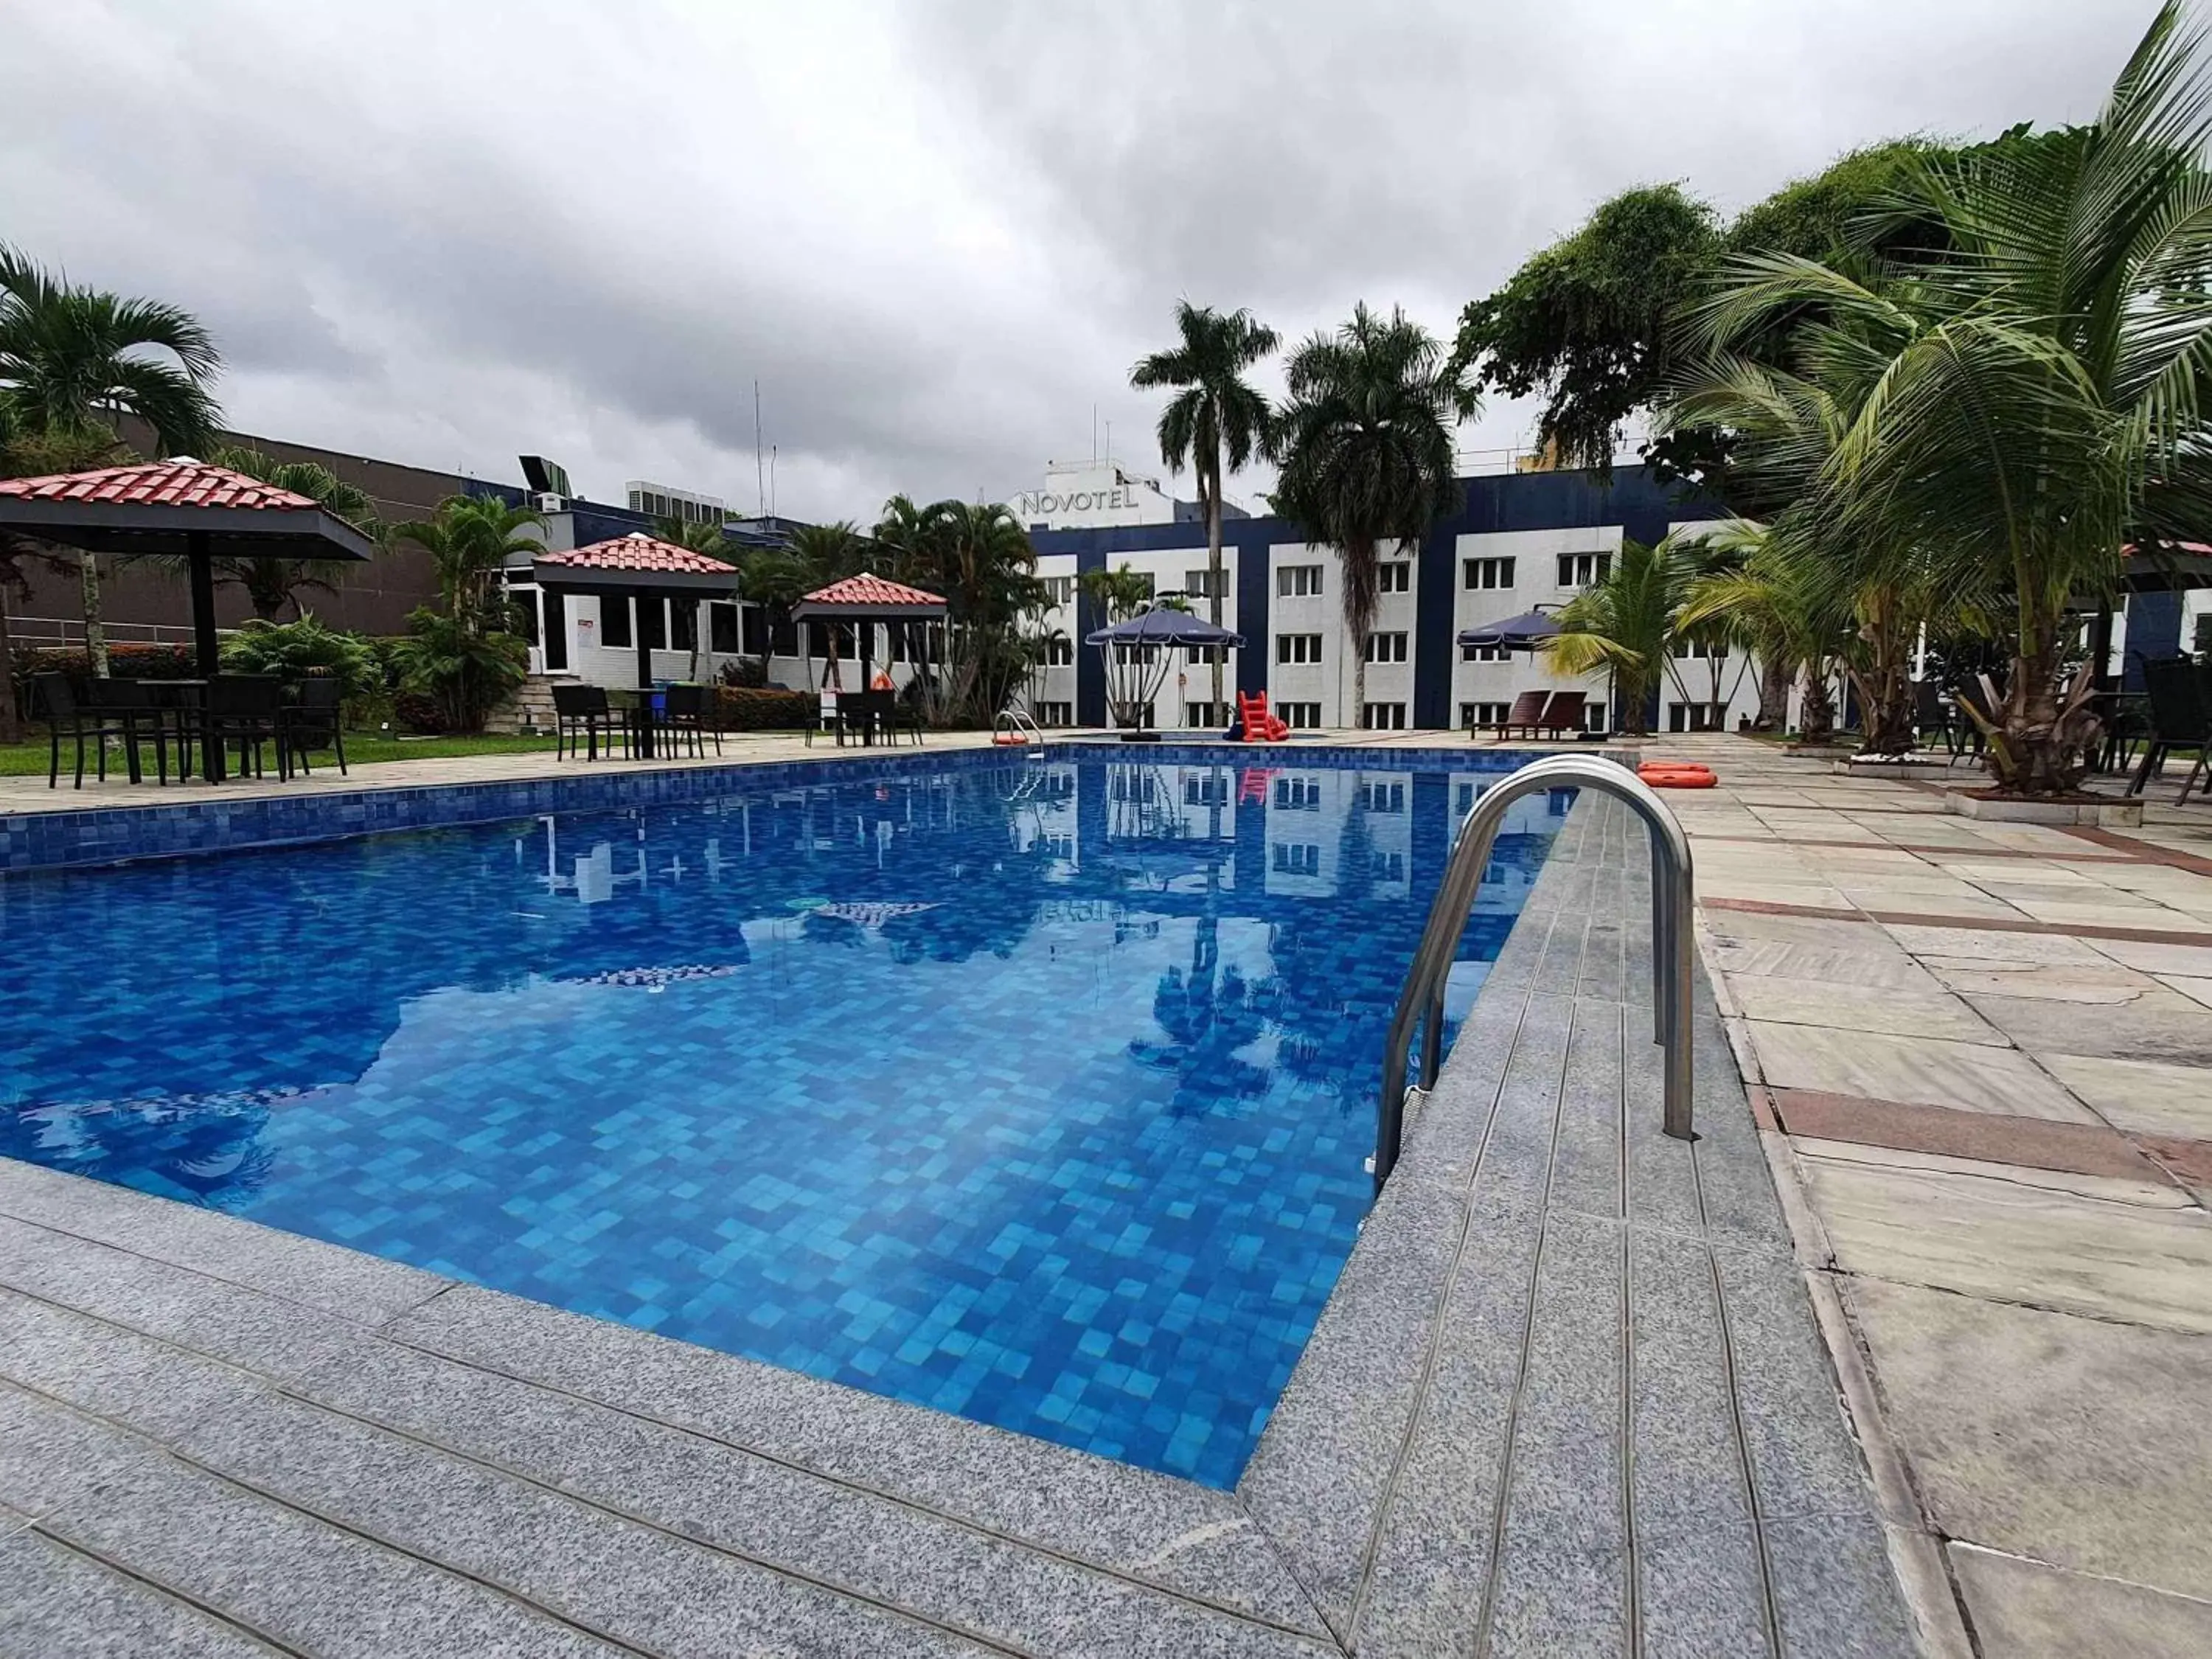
<point x="936" y="233"/>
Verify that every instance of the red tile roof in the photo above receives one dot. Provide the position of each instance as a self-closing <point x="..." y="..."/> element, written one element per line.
<point x="157" y="483"/>
<point x="638" y="551"/>
<point x="868" y="589"/>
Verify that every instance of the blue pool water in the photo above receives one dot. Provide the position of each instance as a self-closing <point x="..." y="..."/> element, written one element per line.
<point x="1036" y="1092"/>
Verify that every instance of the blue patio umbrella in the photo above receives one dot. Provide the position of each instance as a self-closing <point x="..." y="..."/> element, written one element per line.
<point x="1526" y="632"/>
<point x="1161" y="627"/>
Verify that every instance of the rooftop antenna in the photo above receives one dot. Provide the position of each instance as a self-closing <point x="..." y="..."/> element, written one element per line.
<point x="1094" y="435"/>
<point x="760" y="478"/>
<point x="771" y="480"/>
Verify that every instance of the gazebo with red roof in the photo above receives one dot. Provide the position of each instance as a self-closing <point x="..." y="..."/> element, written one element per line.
<point x="863" y="601"/>
<point x="636" y="566"/>
<point x="179" y="508"/>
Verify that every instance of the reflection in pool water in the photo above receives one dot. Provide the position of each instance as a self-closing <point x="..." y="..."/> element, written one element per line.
<point x="1037" y="1092"/>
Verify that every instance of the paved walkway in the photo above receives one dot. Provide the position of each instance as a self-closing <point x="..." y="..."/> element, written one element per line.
<point x="1985" y="1053"/>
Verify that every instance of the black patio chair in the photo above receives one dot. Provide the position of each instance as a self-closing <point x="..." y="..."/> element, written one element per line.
<point x="313" y="721"/>
<point x="54" y="700"/>
<point x="683" y="716"/>
<point x="857" y="714"/>
<point x="581" y="713"/>
<point x="133" y="706"/>
<point x="901" y="713"/>
<point x="2180" y="718"/>
<point x="248" y="709"/>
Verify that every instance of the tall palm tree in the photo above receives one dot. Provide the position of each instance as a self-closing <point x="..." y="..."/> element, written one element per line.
<point x="74" y="359"/>
<point x="1366" y="446"/>
<point x="1215" y="417"/>
<point x="270" y="584"/>
<point x="2041" y="386"/>
<point x="31" y="454"/>
<point x="470" y="540"/>
<point x="1787" y="612"/>
<point x="695" y="536"/>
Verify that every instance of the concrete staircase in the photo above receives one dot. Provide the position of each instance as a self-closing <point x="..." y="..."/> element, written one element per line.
<point x="530" y="708"/>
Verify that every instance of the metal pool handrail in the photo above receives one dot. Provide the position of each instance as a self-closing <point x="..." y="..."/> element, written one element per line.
<point x="1422" y="1000"/>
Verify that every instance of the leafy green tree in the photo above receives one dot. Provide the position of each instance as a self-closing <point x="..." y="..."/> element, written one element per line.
<point x="978" y="555"/>
<point x="2040" y="386"/>
<point x="465" y="669"/>
<point x="270" y="584"/>
<point x="1215" y="418"/>
<point x="1367" y="455"/>
<point x="74" y="360"/>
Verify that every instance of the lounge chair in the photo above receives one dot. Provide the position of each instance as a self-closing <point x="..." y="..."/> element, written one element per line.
<point x="2179" y="718"/>
<point x="1563" y="712"/>
<point x="1525" y="715"/>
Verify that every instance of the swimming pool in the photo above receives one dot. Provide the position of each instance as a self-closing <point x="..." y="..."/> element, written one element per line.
<point x="1036" y="1091"/>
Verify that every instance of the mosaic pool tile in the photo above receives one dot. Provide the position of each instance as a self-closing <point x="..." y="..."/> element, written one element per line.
<point x="1036" y="1091"/>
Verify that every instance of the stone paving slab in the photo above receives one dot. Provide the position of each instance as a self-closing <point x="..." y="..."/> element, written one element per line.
<point x="2023" y="1609"/>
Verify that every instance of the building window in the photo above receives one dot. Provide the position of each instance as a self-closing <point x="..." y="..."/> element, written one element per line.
<point x="1199" y="584"/>
<point x="1298" y="582"/>
<point x="1054" y="714"/>
<point x="1486" y="573"/>
<point x="1132" y="656"/>
<point x="1484" y="654"/>
<point x="1299" y="716"/>
<point x="1297" y="647"/>
<point x="1386" y="867"/>
<point x="1395" y="576"/>
<point x="1059" y="651"/>
<point x="614" y="622"/>
<point x="1206" y="789"/>
<point x="1298" y="794"/>
<point x="1205" y="653"/>
<point x="1593" y="717"/>
<point x="1704" y="650"/>
<point x="1293" y="859"/>
<point x="1580" y="569"/>
<point x="1691" y="717"/>
<point x="1382" y="797"/>
<point x="652" y="622"/>
<point x="1199" y="715"/>
<point x="1386" y="647"/>
<point x="1060" y="590"/>
<point x="786" y="637"/>
<point x="1383" y="717"/>
<point x="722" y="634"/>
<point x="1484" y="714"/>
<point x="684" y="617"/>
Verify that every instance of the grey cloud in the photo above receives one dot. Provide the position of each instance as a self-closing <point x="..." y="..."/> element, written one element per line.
<point x="937" y="235"/>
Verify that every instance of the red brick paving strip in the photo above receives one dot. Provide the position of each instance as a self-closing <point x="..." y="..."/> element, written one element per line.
<point x="2149" y="851"/>
<point x="2032" y="1143"/>
<point x="1980" y="924"/>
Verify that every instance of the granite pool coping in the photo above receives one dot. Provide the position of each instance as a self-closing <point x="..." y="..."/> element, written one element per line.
<point x="1568" y="1395"/>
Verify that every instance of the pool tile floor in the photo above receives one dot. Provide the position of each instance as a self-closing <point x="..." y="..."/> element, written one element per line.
<point x="1569" y="1396"/>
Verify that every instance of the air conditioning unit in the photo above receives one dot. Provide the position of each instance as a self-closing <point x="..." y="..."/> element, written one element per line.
<point x="548" y="501"/>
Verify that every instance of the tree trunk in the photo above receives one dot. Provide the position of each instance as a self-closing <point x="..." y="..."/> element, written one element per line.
<point x="95" y="628"/>
<point x="1816" y="717"/>
<point x="2041" y="742"/>
<point x="1213" y="578"/>
<point x="11" y="724"/>
<point x="1775" y="675"/>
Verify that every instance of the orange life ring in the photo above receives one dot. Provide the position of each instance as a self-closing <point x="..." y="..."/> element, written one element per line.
<point x="1008" y="739"/>
<point x="1676" y="775"/>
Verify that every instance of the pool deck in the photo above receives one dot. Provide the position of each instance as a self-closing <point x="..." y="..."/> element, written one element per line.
<point x="1983" y="1054"/>
<point x="1570" y="1396"/>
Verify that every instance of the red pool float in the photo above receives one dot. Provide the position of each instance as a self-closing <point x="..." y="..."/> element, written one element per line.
<point x="1676" y="775"/>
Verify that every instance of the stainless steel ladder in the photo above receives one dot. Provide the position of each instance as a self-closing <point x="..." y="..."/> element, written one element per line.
<point x="1421" y="1002"/>
<point x="1020" y="725"/>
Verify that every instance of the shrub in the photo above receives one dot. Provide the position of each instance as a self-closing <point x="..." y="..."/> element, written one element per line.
<point x="465" y="671"/>
<point x="748" y="708"/>
<point x="413" y="712"/>
<point x="748" y="671"/>
<point x="295" y="650"/>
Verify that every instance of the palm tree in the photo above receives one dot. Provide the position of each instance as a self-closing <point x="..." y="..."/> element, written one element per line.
<point x="978" y="555"/>
<point x="30" y="455"/>
<point x="1786" y="612"/>
<point x="74" y="359"/>
<point x="271" y="584"/>
<point x="1625" y="624"/>
<point x="2039" y="387"/>
<point x="1215" y="417"/>
<point x="1117" y="595"/>
<point x="695" y="536"/>
<point x="471" y="541"/>
<point x="1367" y="452"/>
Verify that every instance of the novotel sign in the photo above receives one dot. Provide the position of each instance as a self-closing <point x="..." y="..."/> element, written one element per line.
<point x="1042" y="504"/>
